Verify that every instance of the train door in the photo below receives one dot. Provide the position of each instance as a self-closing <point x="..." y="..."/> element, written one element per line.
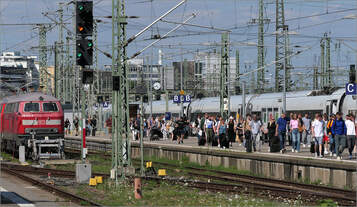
<point x="270" y="112"/>
<point x="331" y="107"/>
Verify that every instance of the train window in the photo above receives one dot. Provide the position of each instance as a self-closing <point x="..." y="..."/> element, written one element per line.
<point x="50" y="107"/>
<point x="7" y="108"/>
<point x="32" y="107"/>
<point x="16" y="107"/>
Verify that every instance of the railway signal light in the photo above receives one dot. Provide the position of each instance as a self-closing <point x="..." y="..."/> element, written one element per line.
<point x="84" y="50"/>
<point x="100" y="99"/>
<point x="87" y="76"/>
<point x="84" y="18"/>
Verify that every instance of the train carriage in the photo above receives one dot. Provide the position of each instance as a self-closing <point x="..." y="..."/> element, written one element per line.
<point x="34" y="120"/>
<point x="264" y="105"/>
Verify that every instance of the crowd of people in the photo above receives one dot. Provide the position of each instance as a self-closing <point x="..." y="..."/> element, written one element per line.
<point x="158" y="127"/>
<point x="91" y="126"/>
<point x="321" y="135"/>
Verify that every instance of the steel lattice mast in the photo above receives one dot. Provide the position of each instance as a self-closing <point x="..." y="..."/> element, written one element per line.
<point x="261" y="58"/>
<point x="94" y="88"/>
<point x="279" y="43"/>
<point x="43" y="58"/>
<point x="120" y="106"/>
<point x="224" y="75"/>
<point x="59" y="69"/>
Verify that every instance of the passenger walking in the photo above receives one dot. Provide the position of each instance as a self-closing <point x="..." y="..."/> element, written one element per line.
<point x="255" y="126"/>
<point x="339" y="129"/>
<point x="181" y="130"/>
<point x="108" y="124"/>
<point x="239" y="131"/>
<point x="247" y="135"/>
<point x="67" y="126"/>
<point x="300" y="127"/>
<point x="88" y="127"/>
<point x="307" y="130"/>
<point x="231" y="133"/>
<point x="331" y="135"/>
<point x="294" y="130"/>
<point x="137" y="127"/>
<point x="318" y="132"/>
<point x="93" y="123"/>
<point x="326" y="138"/>
<point x="271" y="129"/>
<point x="281" y="131"/>
<point x="209" y="124"/>
<point x="351" y="133"/>
<point x="221" y="133"/>
<point x="76" y="125"/>
<point x="290" y="135"/>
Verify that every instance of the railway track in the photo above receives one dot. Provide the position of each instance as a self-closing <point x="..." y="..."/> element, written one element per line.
<point x="48" y="187"/>
<point x="44" y="171"/>
<point x="231" y="185"/>
<point x="344" y="197"/>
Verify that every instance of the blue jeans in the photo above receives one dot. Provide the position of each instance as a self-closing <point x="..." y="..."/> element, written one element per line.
<point x="296" y="139"/>
<point x="282" y="137"/>
<point x="332" y="143"/>
<point x="340" y="143"/>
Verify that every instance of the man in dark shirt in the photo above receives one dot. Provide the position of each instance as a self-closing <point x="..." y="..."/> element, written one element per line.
<point x="181" y="130"/>
<point x="281" y="131"/>
<point x="93" y="123"/>
<point x="339" y="130"/>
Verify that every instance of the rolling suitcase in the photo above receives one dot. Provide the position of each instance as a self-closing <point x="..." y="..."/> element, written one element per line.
<point x="215" y="141"/>
<point x="225" y="143"/>
<point x="202" y="141"/>
<point x="275" y="144"/>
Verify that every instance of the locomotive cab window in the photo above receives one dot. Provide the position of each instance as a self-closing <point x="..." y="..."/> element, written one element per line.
<point x="32" y="107"/>
<point x="50" y="107"/>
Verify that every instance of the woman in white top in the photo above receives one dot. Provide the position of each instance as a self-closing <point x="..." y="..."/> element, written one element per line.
<point x="351" y="133"/>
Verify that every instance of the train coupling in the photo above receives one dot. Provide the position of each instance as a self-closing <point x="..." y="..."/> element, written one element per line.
<point x="47" y="149"/>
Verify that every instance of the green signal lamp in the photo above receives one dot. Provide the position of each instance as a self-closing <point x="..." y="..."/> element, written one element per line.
<point x="79" y="55"/>
<point x="90" y="44"/>
<point x="80" y="8"/>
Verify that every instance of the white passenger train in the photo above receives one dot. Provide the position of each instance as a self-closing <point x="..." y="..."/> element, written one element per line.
<point x="265" y="104"/>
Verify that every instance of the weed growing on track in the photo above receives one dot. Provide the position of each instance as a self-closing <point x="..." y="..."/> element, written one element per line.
<point x="165" y="194"/>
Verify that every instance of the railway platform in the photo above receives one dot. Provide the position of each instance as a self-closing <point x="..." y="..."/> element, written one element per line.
<point x="302" y="167"/>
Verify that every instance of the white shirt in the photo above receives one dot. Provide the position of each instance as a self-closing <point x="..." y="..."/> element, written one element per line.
<point x="350" y="128"/>
<point x="208" y="123"/>
<point x="318" y="128"/>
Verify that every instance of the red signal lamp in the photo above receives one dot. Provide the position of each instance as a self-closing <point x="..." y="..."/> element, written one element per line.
<point x="80" y="29"/>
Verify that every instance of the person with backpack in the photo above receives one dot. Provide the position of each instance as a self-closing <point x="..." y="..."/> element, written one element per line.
<point x="339" y="129"/>
<point x="331" y="135"/>
<point x="351" y="133"/>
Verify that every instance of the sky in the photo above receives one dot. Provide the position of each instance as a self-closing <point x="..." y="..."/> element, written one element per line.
<point x="308" y="20"/>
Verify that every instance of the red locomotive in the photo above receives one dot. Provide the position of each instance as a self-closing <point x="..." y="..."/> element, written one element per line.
<point x="34" y="120"/>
